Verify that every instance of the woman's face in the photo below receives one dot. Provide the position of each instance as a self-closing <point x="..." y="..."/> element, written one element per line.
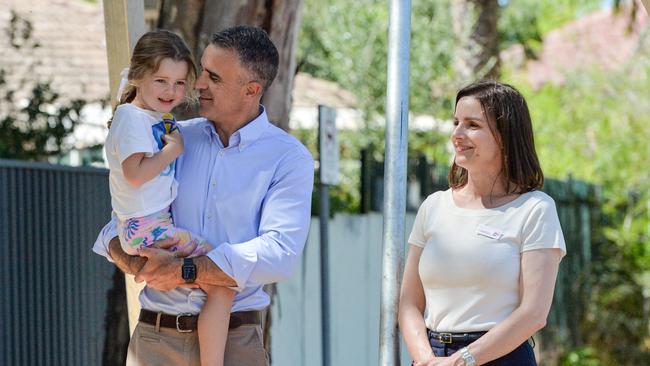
<point x="475" y="145"/>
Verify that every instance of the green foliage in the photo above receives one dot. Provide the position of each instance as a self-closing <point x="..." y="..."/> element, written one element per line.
<point x="525" y="22"/>
<point x="37" y="130"/>
<point x="586" y="356"/>
<point x="595" y="128"/>
<point x="347" y="42"/>
<point x="32" y="126"/>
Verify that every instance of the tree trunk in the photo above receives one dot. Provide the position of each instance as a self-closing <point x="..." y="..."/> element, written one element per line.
<point x="196" y="20"/>
<point x="475" y="27"/>
<point x="116" y="323"/>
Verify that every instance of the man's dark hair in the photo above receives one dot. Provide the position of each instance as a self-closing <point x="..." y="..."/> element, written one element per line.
<point x="256" y="51"/>
<point x="509" y="120"/>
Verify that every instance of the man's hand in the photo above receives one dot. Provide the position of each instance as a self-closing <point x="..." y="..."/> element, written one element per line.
<point x="162" y="270"/>
<point x="130" y="264"/>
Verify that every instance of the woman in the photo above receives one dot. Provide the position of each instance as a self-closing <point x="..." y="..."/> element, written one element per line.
<point x="484" y="255"/>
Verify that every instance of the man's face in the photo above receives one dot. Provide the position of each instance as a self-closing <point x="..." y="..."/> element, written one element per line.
<point x="222" y="86"/>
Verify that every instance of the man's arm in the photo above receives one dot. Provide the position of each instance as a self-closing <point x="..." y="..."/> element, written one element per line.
<point x="130" y="264"/>
<point x="284" y="225"/>
<point x="267" y="258"/>
<point x="163" y="268"/>
<point x="108" y="245"/>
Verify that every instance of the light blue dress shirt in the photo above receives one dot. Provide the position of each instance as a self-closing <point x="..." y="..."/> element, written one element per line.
<point x="251" y="200"/>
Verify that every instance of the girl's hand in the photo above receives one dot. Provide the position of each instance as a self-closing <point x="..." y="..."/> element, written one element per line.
<point x="174" y="142"/>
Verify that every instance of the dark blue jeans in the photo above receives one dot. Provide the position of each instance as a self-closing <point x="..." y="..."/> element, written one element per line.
<point x="521" y="356"/>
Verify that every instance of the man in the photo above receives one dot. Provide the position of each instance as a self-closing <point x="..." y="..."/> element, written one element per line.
<point x="245" y="186"/>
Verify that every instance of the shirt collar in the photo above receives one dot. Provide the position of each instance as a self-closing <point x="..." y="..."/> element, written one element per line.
<point x="246" y="135"/>
<point x="254" y="129"/>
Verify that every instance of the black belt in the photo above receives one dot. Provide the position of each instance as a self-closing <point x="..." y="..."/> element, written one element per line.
<point x="448" y="338"/>
<point x="185" y="323"/>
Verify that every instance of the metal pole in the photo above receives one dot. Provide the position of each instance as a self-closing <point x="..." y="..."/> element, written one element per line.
<point x="324" y="199"/>
<point x="397" y="107"/>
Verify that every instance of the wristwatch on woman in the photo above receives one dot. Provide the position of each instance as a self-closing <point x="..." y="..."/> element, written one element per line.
<point x="467" y="357"/>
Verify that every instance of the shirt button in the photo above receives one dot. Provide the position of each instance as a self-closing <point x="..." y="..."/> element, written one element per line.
<point x="214" y="184"/>
<point x="220" y="153"/>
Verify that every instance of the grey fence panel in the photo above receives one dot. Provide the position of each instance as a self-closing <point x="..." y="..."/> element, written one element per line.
<point x="53" y="294"/>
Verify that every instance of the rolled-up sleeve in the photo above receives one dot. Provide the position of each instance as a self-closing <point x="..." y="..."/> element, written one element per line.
<point x="284" y="225"/>
<point x="108" y="232"/>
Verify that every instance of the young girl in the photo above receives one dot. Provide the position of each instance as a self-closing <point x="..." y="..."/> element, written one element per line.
<point x="141" y="148"/>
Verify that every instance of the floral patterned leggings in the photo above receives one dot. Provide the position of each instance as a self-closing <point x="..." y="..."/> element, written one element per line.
<point x="140" y="232"/>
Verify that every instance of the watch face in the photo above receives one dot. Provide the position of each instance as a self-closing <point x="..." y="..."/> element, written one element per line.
<point x="189" y="272"/>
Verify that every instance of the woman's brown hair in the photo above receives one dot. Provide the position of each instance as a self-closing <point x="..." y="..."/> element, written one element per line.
<point x="509" y="119"/>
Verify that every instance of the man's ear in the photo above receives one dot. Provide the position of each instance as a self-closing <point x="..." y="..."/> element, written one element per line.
<point x="254" y="88"/>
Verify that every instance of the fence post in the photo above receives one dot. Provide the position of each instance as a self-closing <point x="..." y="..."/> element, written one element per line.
<point x="124" y="24"/>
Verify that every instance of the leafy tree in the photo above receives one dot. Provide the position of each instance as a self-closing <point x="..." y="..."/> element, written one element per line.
<point x="353" y="53"/>
<point x="594" y="127"/>
<point x="525" y="22"/>
<point x="33" y="125"/>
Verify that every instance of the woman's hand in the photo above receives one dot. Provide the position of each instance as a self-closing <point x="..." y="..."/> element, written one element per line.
<point x="442" y="361"/>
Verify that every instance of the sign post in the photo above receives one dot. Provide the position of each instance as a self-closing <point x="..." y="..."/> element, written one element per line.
<point x="328" y="151"/>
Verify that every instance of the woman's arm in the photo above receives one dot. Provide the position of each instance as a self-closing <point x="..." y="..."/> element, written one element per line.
<point x="411" y="309"/>
<point x="139" y="169"/>
<point x="537" y="282"/>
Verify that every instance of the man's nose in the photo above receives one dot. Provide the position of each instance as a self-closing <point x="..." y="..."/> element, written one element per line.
<point x="200" y="82"/>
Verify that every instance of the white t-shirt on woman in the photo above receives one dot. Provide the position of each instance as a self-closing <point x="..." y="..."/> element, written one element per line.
<point x="471" y="260"/>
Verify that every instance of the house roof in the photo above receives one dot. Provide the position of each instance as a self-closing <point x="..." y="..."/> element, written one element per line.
<point x="309" y="91"/>
<point x="602" y="39"/>
<point x="66" y="47"/>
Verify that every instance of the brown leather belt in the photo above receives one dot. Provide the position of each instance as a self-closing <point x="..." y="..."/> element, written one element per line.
<point x="185" y="323"/>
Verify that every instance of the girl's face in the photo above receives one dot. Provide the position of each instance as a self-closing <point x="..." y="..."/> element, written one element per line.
<point x="164" y="89"/>
<point x="474" y="143"/>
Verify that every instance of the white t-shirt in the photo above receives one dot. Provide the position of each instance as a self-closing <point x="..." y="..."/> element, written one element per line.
<point x="136" y="130"/>
<point x="471" y="260"/>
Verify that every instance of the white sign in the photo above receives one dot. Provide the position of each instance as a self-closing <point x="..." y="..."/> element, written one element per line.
<point x="328" y="145"/>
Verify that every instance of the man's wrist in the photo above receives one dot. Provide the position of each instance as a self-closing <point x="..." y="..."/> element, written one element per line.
<point x="135" y="263"/>
<point x="209" y="273"/>
<point x="188" y="270"/>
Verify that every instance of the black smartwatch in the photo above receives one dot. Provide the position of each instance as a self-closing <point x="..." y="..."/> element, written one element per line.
<point x="188" y="270"/>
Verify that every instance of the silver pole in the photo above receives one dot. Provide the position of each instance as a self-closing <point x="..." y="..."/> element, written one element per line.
<point x="397" y="107"/>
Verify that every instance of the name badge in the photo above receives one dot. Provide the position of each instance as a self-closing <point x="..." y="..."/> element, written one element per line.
<point x="489" y="232"/>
